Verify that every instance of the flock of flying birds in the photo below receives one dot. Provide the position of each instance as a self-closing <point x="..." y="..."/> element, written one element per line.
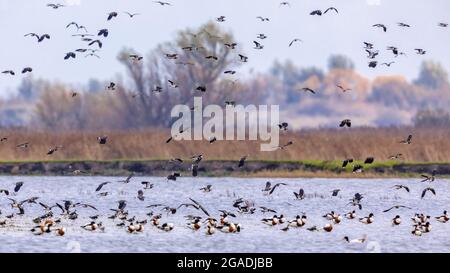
<point x="50" y="221"/>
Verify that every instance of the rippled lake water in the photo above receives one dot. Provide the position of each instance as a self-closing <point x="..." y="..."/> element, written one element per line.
<point x="254" y="237"/>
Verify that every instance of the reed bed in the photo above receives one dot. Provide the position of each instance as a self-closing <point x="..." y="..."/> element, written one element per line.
<point x="429" y="145"/>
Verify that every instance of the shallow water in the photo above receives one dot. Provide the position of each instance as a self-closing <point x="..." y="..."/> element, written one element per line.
<point x="254" y="237"/>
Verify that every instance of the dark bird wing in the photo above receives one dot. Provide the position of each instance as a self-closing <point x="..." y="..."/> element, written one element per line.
<point x="98" y="42"/>
<point x="18" y="186"/>
<point x="101" y="186"/>
<point x="309" y="90"/>
<point x="423" y="193"/>
<point x="275" y="186"/>
<point x="61" y="207"/>
<point x="426" y="178"/>
<point x="200" y="206"/>
<point x="428" y="189"/>
<point x="187" y="205"/>
<point x="331" y="8"/>
<point x="122" y="204"/>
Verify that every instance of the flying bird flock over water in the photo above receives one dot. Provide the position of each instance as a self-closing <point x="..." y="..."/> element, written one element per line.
<point x="55" y="216"/>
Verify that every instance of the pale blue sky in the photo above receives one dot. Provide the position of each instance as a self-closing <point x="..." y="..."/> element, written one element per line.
<point x="322" y="36"/>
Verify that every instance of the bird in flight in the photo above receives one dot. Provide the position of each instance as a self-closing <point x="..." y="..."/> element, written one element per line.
<point x="98" y="42"/>
<point x="318" y="12"/>
<point x="39" y="38"/>
<point x="307" y="89"/>
<point x="393" y="49"/>
<point x="163" y="3"/>
<point x="343" y="89"/>
<point x="285" y="4"/>
<point x="10" y="72"/>
<point x="403" y="25"/>
<point x="396" y="207"/>
<point x="295" y="40"/>
<point x="372" y="53"/>
<point x="135" y="57"/>
<point x="92" y="55"/>
<point x="131" y="14"/>
<point x="112" y="15"/>
<point x="300" y="195"/>
<point x="335" y="192"/>
<point x="399" y="187"/>
<point x="220" y="19"/>
<point x="23" y="145"/>
<point x="102" y="140"/>
<point x="381" y="26"/>
<point x="368" y="45"/>
<point x="258" y="45"/>
<point x="70" y="55"/>
<point x="388" y="64"/>
<point x="243" y="58"/>
<point x="55" y="6"/>
<point x="429" y="178"/>
<point x="346" y="122"/>
<point x="269" y="189"/>
<point x="408" y="140"/>
<point x="103" y="32"/>
<point x="263" y="19"/>
<point x="53" y="150"/>
<point x="261" y="36"/>
<point x="111" y="86"/>
<point x="420" y="51"/>
<point x="77" y="26"/>
<point x="331" y="9"/>
<point x="283" y="126"/>
<point x="424" y="192"/>
<point x="181" y="131"/>
<point x="99" y="187"/>
<point x="231" y="45"/>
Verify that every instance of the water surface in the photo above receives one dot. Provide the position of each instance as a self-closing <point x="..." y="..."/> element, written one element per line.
<point x="254" y="237"/>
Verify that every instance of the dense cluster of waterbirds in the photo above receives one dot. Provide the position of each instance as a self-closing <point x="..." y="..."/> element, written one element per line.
<point x="54" y="217"/>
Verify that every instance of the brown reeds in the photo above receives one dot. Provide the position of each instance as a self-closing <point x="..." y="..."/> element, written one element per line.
<point x="429" y="145"/>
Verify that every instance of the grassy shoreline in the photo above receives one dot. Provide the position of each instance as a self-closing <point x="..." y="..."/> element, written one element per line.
<point x="221" y="168"/>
